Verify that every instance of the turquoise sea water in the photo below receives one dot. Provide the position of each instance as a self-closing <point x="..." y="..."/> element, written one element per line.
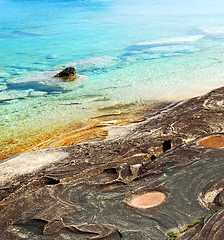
<point x="125" y="51"/>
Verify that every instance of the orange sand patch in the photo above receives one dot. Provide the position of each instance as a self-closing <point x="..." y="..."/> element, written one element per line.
<point x="214" y="141"/>
<point x="73" y="133"/>
<point x="147" y="200"/>
<point x="66" y="136"/>
<point x="92" y="132"/>
<point x="23" y="142"/>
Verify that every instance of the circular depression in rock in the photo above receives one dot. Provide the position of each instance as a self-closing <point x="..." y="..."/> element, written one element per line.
<point x="147" y="200"/>
<point x="214" y="141"/>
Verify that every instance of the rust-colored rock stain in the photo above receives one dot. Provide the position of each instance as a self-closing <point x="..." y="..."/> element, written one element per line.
<point x="214" y="141"/>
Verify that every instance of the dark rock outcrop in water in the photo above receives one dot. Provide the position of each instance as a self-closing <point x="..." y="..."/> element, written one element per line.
<point x="82" y="191"/>
<point x="68" y="73"/>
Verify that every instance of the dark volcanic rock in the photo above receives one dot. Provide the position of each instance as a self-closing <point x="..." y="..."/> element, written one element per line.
<point x="213" y="229"/>
<point x="212" y="226"/>
<point x="85" y="195"/>
<point x="67" y="72"/>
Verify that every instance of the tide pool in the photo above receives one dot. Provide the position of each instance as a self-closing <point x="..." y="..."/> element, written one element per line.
<point x="125" y="52"/>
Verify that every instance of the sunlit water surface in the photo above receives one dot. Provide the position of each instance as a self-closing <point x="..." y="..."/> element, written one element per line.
<point x="124" y="51"/>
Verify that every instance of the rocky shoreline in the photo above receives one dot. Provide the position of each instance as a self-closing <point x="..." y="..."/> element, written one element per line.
<point x="88" y="190"/>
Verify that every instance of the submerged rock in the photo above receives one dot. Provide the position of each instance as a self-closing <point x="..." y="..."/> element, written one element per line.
<point x="68" y="73"/>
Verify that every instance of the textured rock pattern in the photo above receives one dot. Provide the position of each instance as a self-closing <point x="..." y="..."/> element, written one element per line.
<point x="210" y="229"/>
<point x="85" y="194"/>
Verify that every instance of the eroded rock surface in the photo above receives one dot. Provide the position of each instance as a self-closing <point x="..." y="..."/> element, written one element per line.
<point x="210" y="229"/>
<point x="85" y="193"/>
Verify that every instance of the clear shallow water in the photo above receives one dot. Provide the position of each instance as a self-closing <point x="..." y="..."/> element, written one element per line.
<point x="124" y="51"/>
